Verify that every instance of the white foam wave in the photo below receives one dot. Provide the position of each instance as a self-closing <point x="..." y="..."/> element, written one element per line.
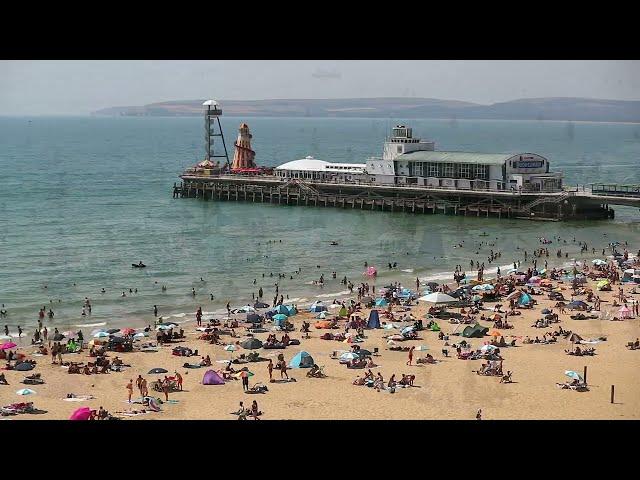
<point x="98" y="324"/>
<point x="408" y="270"/>
<point x="329" y="295"/>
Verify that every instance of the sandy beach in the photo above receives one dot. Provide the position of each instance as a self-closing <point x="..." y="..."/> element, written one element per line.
<point x="449" y="389"/>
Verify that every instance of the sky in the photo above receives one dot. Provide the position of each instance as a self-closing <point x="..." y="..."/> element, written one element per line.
<point x="78" y="87"/>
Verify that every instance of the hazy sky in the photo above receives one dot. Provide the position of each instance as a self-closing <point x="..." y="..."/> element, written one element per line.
<point x="79" y="87"/>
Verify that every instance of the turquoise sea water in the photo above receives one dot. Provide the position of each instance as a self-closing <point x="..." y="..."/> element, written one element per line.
<point x="82" y="198"/>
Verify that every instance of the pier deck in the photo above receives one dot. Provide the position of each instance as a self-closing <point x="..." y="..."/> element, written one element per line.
<point x="580" y="204"/>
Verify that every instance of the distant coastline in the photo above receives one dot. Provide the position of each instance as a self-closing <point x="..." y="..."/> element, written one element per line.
<point x="542" y="109"/>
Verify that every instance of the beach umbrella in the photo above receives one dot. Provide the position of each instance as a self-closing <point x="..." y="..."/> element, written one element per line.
<point x="408" y="329"/>
<point x="8" y="346"/>
<point x="246" y="309"/>
<point x="127" y="331"/>
<point x="155" y="371"/>
<point x="230" y="348"/>
<point x="349" y="356"/>
<point x="251" y="344"/>
<point x="422" y="348"/>
<point x="141" y="335"/>
<point x="26" y="391"/>
<point x="574" y="375"/>
<point x="438" y="298"/>
<point x="82" y="413"/>
<point x="488" y="348"/>
<point x="101" y="335"/>
<point x="243" y="374"/>
<point x="495" y="333"/>
<point x="280" y="317"/>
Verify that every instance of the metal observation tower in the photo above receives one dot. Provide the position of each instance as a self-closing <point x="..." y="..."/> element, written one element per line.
<point x="211" y="119"/>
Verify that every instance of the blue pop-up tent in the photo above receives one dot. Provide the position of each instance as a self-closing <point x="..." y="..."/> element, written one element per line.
<point x="291" y="310"/>
<point x="280" y="309"/>
<point x="317" y="308"/>
<point x="381" y="302"/>
<point x="301" y="360"/>
<point x="525" y="299"/>
<point x="374" y="319"/>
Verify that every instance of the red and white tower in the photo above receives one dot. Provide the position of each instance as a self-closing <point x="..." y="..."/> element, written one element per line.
<point x="243" y="156"/>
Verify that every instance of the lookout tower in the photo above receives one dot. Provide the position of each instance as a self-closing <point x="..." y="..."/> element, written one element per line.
<point x="213" y="129"/>
<point x="402" y="141"/>
<point x="243" y="156"/>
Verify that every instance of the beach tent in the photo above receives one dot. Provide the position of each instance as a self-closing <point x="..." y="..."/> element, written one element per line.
<point x="435" y="327"/>
<point x="291" y="309"/>
<point x="577" y="305"/>
<point x="317" y="308"/>
<point x="381" y="302"/>
<point x="624" y="312"/>
<point x="301" y="360"/>
<point x="212" y="378"/>
<point x="374" y="319"/>
<point x="603" y="285"/>
<point x="251" y="344"/>
<point x="82" y="413"/>
<point x="280" y="321"/>
<point x="253" y="318"/>
<point x="343" y="312"/>
<point x="322" y="315"/>
<point x="475" y="331"/>
<point x="525" y="299"/>
<point x="280" y="309"/>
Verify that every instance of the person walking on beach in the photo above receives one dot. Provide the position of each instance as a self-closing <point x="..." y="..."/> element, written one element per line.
<point x="260" y="293"/>
<point x="413" y="347"/>
<point x="179" y="380"/>
<point x="19" y="331"/>
<point x="270" y="368"/>
<point x="283" y="369"/>
<point x="139" y="384"/>
<point x="165" y="388"/>
<point x="245" y="380"/>
<point x="6" y="330"/>
<point x="130" y="390"/>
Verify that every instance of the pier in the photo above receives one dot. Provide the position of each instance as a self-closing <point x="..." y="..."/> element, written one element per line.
<point x="579" y="203"/>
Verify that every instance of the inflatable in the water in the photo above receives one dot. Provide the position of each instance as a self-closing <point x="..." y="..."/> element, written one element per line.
<point x="137" y="265"/>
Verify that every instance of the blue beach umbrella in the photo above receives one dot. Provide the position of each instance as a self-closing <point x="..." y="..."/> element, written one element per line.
<point x="573" y="375"/>
<point x="280" y="317"/>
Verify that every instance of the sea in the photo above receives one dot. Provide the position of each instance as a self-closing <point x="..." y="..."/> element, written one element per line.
<point x="82" y="198"/>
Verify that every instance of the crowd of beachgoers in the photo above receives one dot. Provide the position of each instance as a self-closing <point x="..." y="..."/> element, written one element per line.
<point x="421" y="339"/>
